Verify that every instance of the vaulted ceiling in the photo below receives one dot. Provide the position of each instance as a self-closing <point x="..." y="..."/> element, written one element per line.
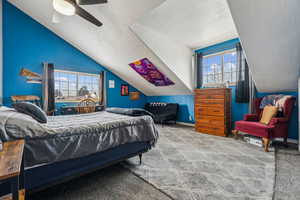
<point x="167" y="32"/>
<point x="270" y="34"/>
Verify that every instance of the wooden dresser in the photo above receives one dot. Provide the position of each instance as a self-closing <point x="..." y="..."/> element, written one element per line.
<point x="213" y="111"/>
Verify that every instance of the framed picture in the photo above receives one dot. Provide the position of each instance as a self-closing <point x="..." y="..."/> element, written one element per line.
<point x="124" y="90"/>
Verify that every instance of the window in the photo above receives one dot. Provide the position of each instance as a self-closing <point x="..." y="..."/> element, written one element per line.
<point x="75" y="86"/>
<point x="220" y="68"/>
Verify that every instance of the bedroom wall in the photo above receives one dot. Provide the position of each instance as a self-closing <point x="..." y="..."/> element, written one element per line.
<point x="186" y="102"/>
<point x="27" y="44"/>
<point x="186" y="106"/>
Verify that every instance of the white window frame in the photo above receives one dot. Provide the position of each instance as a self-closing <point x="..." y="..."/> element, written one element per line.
<point x="77" y="75"/>
<point x="222" y="63"/>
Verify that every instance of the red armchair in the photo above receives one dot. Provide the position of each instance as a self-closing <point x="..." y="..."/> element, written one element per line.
<point x="277" y="128"/>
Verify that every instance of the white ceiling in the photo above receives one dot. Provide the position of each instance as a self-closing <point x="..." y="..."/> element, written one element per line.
<point x="270" y="34"/>
<point x="167" y="31"/>
<point x="114" y="45"/>
<point x="194" y="23"/>
<point x="186" y="24"/>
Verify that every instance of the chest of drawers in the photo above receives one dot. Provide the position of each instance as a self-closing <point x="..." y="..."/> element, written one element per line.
<point x="213" y="111"/>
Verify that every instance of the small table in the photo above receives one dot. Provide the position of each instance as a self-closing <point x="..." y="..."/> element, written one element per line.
<point x="11" y="166"/>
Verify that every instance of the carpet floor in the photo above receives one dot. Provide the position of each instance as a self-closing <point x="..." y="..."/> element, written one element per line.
<point x="287" y="174"/>
<point x="113" y="183"/>
<point x="186" y="165"/>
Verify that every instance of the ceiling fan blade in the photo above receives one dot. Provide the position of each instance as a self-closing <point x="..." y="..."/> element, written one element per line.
<point x="90" y="2"/>
<point x="87" y="16"/>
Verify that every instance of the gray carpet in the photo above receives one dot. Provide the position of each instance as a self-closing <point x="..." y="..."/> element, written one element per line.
<point x="188" y="165"/>
<point x="192" y="166"/>
<point x="113" y="183"/>
<point x="287" y="185"/>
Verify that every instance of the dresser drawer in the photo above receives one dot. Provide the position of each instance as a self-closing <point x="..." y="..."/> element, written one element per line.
<point x="210" y="102"/>
<point x="210" y="120"/>
<point x="210" y="96"/>
<point x="212" y="111"/>
<point x="210" y="91"/>
<point x="211" y="130"/>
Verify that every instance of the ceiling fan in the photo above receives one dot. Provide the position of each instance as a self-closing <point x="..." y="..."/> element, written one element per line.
<point x="72" y="7"/>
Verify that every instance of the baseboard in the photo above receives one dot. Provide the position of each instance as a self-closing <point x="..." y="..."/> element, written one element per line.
<point x="185" y="124"/>
<point x="293" y="141"/>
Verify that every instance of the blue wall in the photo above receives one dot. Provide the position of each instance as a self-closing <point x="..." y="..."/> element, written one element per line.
<point x="186" y="102"/>
<point x="27" y="44"/>
<point x="186" y="105"/>
<point x="223" y="46"/>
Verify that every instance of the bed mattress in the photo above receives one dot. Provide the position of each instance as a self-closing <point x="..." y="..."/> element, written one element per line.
<point x="74" y="136"/>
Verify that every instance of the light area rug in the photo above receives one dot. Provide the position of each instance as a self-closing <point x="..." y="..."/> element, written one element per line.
<point x="188" y="165"/>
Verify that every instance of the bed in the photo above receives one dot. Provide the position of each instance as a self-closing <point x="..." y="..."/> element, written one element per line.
<point x="68" y="146"/>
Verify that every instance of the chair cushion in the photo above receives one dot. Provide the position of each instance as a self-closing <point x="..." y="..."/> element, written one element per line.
<point x="268" y="113"/>
<point x="253" y="128"/>
<point x="32" y="110"/>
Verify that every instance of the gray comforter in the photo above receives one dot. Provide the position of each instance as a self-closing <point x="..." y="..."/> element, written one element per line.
<point x="74" y="136"/>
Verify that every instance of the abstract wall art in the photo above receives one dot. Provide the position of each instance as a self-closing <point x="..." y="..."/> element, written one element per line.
<point x="148" y="71"/>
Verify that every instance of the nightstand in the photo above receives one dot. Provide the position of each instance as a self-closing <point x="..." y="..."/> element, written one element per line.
<point x="11" y="166"/>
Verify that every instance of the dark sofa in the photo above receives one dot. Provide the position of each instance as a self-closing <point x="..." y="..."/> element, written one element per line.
<point x="163" y="112"/>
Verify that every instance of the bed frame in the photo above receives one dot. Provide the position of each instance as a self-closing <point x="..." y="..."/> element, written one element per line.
<point x="42" y="177"/>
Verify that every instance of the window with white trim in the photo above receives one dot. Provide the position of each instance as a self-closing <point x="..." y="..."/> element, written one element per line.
<point x="76" y="86"/>
<point x="220" y="68"/>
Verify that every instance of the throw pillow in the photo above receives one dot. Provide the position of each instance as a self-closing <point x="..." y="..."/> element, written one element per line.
<point x="32" y="110"/>
<point x="268" y="113"/>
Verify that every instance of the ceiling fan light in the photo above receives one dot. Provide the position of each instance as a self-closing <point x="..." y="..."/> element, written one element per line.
<point x="64" y="7"/>
<point x="56" y="17"/>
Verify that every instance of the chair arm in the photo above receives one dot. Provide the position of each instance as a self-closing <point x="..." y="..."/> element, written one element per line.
<point x="250" y="117"/>
<point x="277" y="120"/>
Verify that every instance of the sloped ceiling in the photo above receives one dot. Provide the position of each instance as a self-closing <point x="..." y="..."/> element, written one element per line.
<point x="127" y="31"/>
<point x="270" y="34"/>
<point x="113" y="45"/>
<point x="194" y="23"/>
<point x="175" y="27"/>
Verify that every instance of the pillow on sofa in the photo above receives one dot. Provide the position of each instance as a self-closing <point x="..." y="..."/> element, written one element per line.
<point x="268" y="113"/>
<point x="32" y="110"/>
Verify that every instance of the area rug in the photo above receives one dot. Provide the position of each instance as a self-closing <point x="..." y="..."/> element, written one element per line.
<point x="112" y="183"/>
<point x="287" y="173"/>
<point x="191" y="166"/>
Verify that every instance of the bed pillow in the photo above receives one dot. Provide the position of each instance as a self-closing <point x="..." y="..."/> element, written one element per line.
<point x="32" y="110"/>
<point x="130" y="112"/>
<point x="268" y="113"/>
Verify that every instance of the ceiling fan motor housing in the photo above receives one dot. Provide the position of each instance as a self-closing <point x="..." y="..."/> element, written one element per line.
<point x="90" y="2"/>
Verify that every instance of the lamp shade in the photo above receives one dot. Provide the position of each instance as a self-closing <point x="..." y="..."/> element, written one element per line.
<point x="64" y="7"/>
<point x="134" y="96"/>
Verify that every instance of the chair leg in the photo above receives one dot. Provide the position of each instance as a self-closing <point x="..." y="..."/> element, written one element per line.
<point x="285" y="143"/>
<point x="266" y="142"/>
<point x="235" y="133"/>
<point x="140" y="156"/>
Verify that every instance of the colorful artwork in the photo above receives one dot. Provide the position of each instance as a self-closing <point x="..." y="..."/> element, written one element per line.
<point x="124" y="90"/>
<point x="147" y="70"/>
